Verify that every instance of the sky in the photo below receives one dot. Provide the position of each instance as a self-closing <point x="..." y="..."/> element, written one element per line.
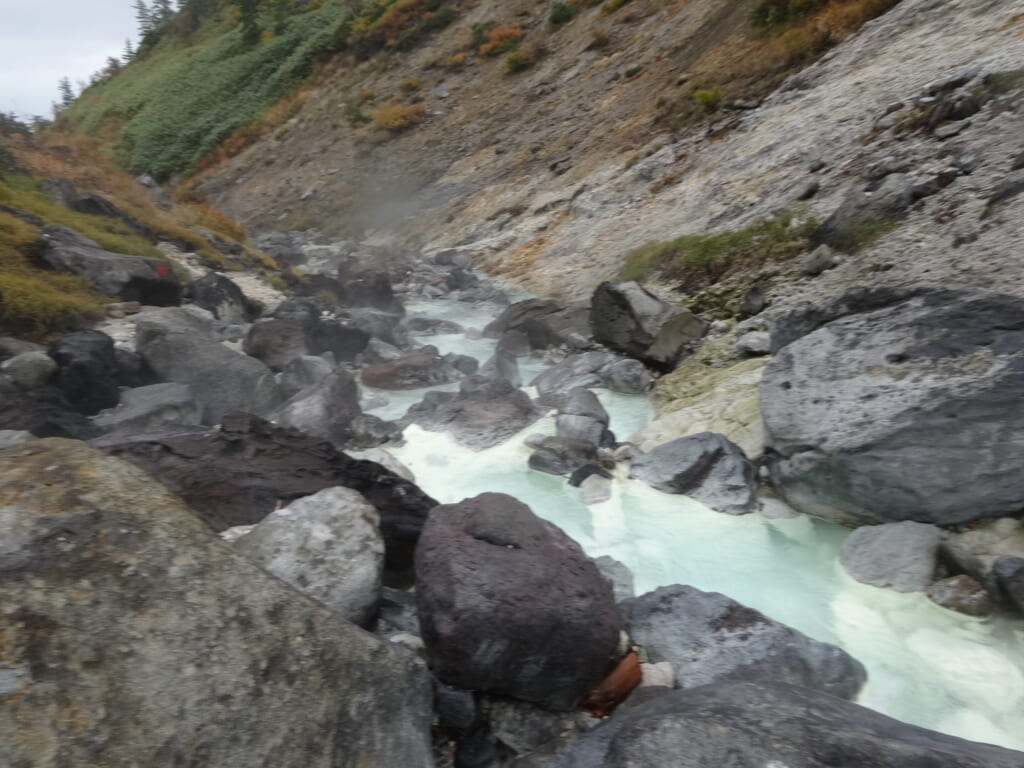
<point x="42" y="41"/>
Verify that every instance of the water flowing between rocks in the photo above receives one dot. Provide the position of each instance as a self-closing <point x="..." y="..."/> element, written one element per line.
<point x="926" y="665"/>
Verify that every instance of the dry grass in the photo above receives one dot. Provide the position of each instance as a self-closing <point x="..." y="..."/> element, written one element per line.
<point x="502" y="40"/>
<point x="399" y="117"/>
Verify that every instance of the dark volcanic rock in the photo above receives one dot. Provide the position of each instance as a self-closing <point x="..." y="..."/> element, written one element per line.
<point x="710" y="638"/>
<point x="238" y="474"/>
<point x="770" y="724"/>
<point x="509" y="604"/>
<point x="422" y="368"/>
<point x="276" y="342"/>
<point x="707" y="467"/>
<point x="131" y="278"/>
<point x="562" y="455"/>
<point x="635" y="322"/>
<point x="929" y="381"/>
<point x="148" y="642"/>
<point x="483" y="413"/>
<point x="961" y="594"/>
<point x="87" y="370"/>
<point x="594" y="369"/>
<point x="44" y="412"/>
<point x="223" y="298"/>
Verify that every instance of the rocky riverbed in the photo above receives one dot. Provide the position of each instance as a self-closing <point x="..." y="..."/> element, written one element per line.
<point x="398" y="421"/>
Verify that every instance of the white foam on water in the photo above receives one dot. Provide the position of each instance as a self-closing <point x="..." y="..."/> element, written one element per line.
<point x="926" y="665"/>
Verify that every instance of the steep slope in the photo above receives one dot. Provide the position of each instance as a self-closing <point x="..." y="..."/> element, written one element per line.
<point x="552" y="176"/>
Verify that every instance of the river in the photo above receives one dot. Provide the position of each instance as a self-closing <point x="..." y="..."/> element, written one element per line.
<point x="926" y="665"/>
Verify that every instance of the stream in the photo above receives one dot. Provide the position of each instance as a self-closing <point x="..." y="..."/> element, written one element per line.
<point x="926" y="665"/>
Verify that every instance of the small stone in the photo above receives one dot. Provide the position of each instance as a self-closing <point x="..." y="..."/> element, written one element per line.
<point x="961" y="594"/>
<point x="819" y="260"/>
<point x="596" y="490"/>
<point x="754" y="343"/>
<point x="11" y="437"/>
<point x="809" y="191"/>
<point x="661" y="673"/>
<point x="949" y="130"/>
<point x="29" y="370"/>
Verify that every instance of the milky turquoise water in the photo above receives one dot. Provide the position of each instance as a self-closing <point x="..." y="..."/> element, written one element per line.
<point x="926" y="665"/>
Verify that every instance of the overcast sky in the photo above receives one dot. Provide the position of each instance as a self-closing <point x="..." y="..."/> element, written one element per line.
<point x="42" y="41"/>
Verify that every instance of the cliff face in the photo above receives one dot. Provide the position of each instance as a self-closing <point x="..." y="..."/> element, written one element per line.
<point x="551" y="176"/>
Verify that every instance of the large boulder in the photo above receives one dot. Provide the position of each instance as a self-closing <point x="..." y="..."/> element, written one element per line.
<point x="223" y="298"/>
<point x="151" y="407"/>
<point x="303" y="371"/>
<point x="328" y="546"/>
<point x="631" y="320"/>
<point x="894" y="412"/>
<point x="707" y="467"/>
<point x="582" y="417"/>
<point x="771" y="725"/>
<point x="483" y="413"/>
<point x="133" y="636"/>
<point x="901" y="556"/>
<point x="710" y="638"/>
<point x="87" y="370"/>
<point x="544" y="323"/>
<point x="277" y="341"/>
<point x="421" y="368"/>
<point x="222" y="379"/>
<point x="326" y="410"/>
<point x="239" y="474"/>
<point x="511" y="605"/>
<point x="130" y="278"/>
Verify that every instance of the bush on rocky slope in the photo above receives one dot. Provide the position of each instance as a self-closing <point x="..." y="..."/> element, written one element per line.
<point x="695" y="262"/>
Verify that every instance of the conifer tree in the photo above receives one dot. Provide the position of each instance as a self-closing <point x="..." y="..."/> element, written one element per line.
<point x="129" y="51"/>
<point x="144" y="16"/>
<point x="67" y="94"/>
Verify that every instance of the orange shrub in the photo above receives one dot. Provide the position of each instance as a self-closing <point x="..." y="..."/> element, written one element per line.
<point x="399" y="117"/>
<point x="502" y="39"/>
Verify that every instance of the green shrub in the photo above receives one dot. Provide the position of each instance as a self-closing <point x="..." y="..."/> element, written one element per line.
<point x="697" y="261"/>
<point x="709" y="98"/>
<point x="611" y="6"/>
<point x="773" y="13"/>
<point x="563" y="13"/>
<point x="517" y="61"/>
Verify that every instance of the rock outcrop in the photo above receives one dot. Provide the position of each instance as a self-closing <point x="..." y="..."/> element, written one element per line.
<point x="883" y="381"/>
<point x="130" y="278"/>
<point x="133" y="636"/>
<point x="511" y="605"/>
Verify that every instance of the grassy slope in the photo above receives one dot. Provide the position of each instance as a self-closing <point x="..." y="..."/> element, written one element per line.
<point x="174" y="105"/>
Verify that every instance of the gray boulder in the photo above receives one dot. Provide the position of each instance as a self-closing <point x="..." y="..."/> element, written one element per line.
<point x="544" y="323"/>
<point x="221" y="379"/>
<point x="594" y="369"/>
<point x="12" y="437"/>
<point x="147" y="408"/>
<point x="303" y="371"/>
<point x="327" y="410"/>
<point x="277" y="341"/>
<point x="976" y="551"/>
<point x="504" y="366"/>
<point x="754" y="343"/>
<point x="130" y="278"/>
<point x="709" y="638"/>
<point x="929" y="381"/>
<point x="821" y="259"/>
<point x="631" y="320"/>
<point x="29" y="370"/>
<point x="483" y="413"/>
<point x="772" y="725"/>
<point x="509" y="604"/>
<point x="707" y="467"/>
<point x="582" y="417"/>
<point x="328" y="546"/>
<point x="184" y="652"/>
<point x="901" y="556"/>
